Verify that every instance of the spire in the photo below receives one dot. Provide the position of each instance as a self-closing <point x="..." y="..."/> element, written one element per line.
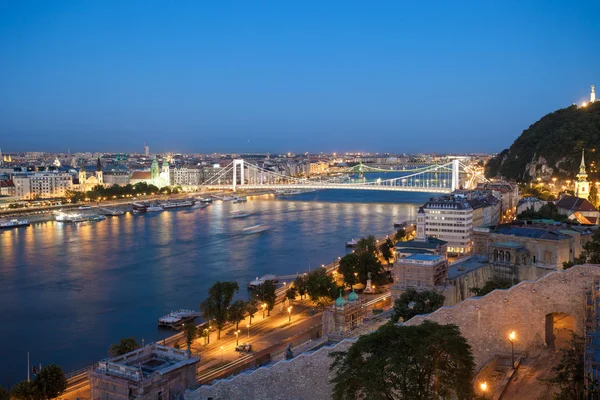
<point x="592" y="95"/>
<point x="582" y="165"/>
<point x="98" y="165"/>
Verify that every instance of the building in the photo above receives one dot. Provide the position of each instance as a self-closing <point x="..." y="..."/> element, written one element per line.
<point x="152" y="372"/>
<point x="428" y="245"/>
<point x="344" y="316"/>
<point x="89" y="181"/>
<point x="582" y="186"/>
<point x="318" y="167"/>
<point x="187" y="176"/>
<point x="579" y="209"/>
<point x="486" y="210"/>
<point x="157" y="176"/>
<point x="42" y="185"/>
<point x="421" y="271"/>
<point x="120" y="178"/>
<point x="7" y="188"/>
<point x="529" y="203"/>
<point x="449" y="218"/>
<point x="541" y="245"/>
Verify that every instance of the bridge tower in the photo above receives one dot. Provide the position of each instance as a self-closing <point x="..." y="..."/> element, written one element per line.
<point x="239" y="162"/>
<point x="455" y="175"/>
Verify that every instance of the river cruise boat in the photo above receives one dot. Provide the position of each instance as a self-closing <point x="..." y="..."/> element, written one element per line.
<point x="259" y="281"/>
<point x="175" y="319"/>
<point x="85" y="207"/>
<point x="352" y="243"/>
<point x="74" y="217"/>
<point x="228" y="198"/>
<point x="14" y="223"/>
<point x="139" y="207"/>
<point x="206" y="200"/>
<point x="114" y="213"/>
<point x="237" y="200"/>
<point x="177" y="204"/>
<point x="154" y="208"/>
<point x="255" y="229"/>
<point x="240" y="214"/>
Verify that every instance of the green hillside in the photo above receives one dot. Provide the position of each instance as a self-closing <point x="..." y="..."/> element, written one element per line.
<point x="552" y="146"/>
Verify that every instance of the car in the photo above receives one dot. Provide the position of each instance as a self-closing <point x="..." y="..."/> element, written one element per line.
<point x="244" y="347"/>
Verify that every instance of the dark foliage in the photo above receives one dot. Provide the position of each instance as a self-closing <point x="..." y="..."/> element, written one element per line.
<point x="411" y="303"/>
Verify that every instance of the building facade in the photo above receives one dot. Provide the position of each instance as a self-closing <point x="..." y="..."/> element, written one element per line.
<point x="42" y="185"/>
<point x="449" y="218"/>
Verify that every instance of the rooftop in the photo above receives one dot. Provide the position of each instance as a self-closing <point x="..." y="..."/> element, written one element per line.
<point x="424" y="257"/>
<point x="467" y="266"/>
<point x="534" y="233"/>
<point x="431" y="243"/>
<point x="512" y="245"/>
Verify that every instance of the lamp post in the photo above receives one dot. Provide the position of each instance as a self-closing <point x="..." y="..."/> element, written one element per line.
<point x="237" y="337"/>
<point x="483" y="387"/>
<point x="221" y="354"/>
<point x="264" y="306"/>
<point x="290" y="314"/>
<point x="248" y="326"/>
<point x="511" y="338"/>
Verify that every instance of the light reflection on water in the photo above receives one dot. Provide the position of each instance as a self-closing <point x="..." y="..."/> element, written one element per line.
<point x="68" y="291"/>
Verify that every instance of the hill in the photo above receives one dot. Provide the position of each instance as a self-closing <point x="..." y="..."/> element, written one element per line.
<point x="552" y="146"/>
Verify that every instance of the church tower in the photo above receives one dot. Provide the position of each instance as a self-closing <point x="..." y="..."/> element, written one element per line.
<point x="155" y="173"/>
<point x="99" y="174"/>
<point x="82" y="176"/>
<point x="421" y="236"/>
<point x="592" y="95"/>
<point x="582" y="186"/>
<point x="165" y="174"/>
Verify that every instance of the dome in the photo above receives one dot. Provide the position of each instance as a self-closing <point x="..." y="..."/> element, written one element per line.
<point x="352" y="297"/>
<point x="339" y="302"/>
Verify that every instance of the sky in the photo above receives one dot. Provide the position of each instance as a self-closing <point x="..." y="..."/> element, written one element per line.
<point x="279" y="76"/>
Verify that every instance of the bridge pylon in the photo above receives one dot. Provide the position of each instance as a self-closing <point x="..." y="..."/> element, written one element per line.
<point x="239" y="162"/>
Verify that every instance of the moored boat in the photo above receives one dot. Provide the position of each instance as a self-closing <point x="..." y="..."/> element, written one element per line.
<point x="352" y="243"/>
<point x="259" y="281"/>
<point x="206" y="200"/>
<point x="154" y="208"/>
<point x="176" y="318"/>
<point x="240" y="200"/>
<point x="14" y="223"/>
<point x="255" y="229"/>
<point x="177" y="204"/>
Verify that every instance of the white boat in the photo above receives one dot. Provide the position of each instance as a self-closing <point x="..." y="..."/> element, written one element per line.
<point x="352" y="243"/>
<point x="240" y="200"/>
<point x="259" y="281"/>
<point x="177" y="204"/>
<point x="14" y="223"/>
<point x="206" y="200"/>
<point x="176" y="318"/>
<point x="228" y="198"/>
<point x="74" y="217"/>
<point x="85" y="207"/>
<point x="154" y="208"/>
<point x="240" y="214"/>
<point x="255" y="229"/>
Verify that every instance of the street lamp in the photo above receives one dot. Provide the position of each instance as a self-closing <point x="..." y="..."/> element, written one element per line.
<point x="483" y="387"/>
<point x="248" y="326"/>
<point x="221" y="354"/>
<point x="237" y="336"/>
<point x="511" y="338"/>
<point x="290" y="314"/>
<point x="264" y="306"/>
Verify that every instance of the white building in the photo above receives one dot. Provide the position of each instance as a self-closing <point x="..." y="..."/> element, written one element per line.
<point x="187" y="176"/>
<point x="42" y="185"/>
<point x="449" y="218"/>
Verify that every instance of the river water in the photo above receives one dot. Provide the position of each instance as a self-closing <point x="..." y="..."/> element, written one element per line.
<point x="68" y="291"/>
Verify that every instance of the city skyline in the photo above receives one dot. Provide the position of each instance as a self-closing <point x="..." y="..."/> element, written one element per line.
<point x="246" y="78"/>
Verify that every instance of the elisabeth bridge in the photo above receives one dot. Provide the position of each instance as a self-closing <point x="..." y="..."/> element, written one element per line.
<point x="441" y="178"/>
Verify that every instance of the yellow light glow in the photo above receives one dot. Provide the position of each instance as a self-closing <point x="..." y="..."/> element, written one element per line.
<point x="483" y="386"/>
<point x="512" y="336"/>
<point x="584" y="104"/>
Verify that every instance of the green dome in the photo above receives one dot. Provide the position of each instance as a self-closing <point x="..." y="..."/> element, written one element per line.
<point x="352" y="297"/>
<point x="339" y="302"/>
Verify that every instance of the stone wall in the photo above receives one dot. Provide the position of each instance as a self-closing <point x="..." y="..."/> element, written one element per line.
<point x="305" y="377"/>
<point x="487" y="321"/>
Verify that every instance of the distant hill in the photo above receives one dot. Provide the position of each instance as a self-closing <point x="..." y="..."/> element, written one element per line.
<point x="552" y="147"/>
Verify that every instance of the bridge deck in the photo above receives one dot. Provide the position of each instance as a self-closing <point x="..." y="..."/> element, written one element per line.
<point x="421" y="189"/>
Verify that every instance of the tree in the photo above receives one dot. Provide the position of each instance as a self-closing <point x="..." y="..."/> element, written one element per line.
<point x="237" y="312"/>
<point x="491" y="285"/>
<point x="386" y="250"/>
<point x="547" y="211"/>
<point x="593" y="196"/>
<point x="300" y="284"/>
<point x="411" y="303"/>
<point x="580" y="259"/>
<point x="366" y="245"/>
<point x="348" y="268"/>
<point x="4" y="394"/>
<point x="569" y="372"/>
<point x="590" y="253"/>
<point x="124" y="346"/>
<point x="25" y="391"/>
<point x="400" y="235"/>
<point x="369" y="264"/>
<point x="216" y="305"/>
<point x="321" y="287"/>
<point x="426" y="361"/>
<point x="266" y="294"/>
<point x="190" y="332"/>
<point x="251" y="308"/>
<point x="50" y="381"/>
<point x="291" y="293"/>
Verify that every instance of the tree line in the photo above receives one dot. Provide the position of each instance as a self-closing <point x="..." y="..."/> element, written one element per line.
<point x="100" y="192"/>
<point x="48" y="382"/>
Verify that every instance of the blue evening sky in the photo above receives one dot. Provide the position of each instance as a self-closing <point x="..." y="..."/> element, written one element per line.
<point x="203" y="76"/>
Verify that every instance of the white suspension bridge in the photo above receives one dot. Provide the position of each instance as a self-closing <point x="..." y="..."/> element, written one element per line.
<point x="443" y="178"/>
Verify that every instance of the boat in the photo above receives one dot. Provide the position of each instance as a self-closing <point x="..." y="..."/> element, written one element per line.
<point x="177" y="204"/>
<point x="177" y="318"/>
<point x="85" y="207"/>
<point x="255" y="229"/>
<point x="206" y="200"/>
<point x="351" y="243"/>
<point x="139" y="208"/>
<point x="237" y="200"/>
<point x="74" y="217"/>
<point x="114" y="213"/>
<point x="154" y="208"/>
<point x="228" y="198"/>
<point x="200" y="205"/>
<point x="259" y="281"/>
<point x="14" y="223"/>
<point x="240" y="214"/>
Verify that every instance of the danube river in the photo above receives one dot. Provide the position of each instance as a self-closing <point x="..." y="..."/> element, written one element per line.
<point x="68" y="291"/>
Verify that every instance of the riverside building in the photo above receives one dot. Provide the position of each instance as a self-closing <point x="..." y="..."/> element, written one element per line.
<point x="449" y="218"/>
<point x="43" y="185"/>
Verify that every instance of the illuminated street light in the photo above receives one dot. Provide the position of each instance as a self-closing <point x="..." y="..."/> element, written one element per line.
<point x="511" y="338"/>
<point x="264" y="306"/>
<point x="221" y="354"/>
<point x="248" y="326"/>
<point x="237" y="336"/>
<point x="483" y="386"/>
<point x="290" y="314"/>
